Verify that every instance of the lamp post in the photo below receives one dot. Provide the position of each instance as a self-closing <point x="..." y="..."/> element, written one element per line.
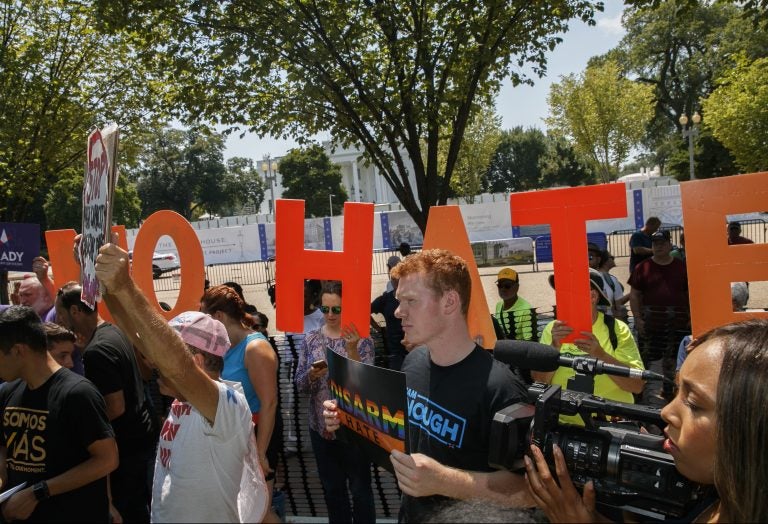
<point x="330" y="201"/>
<point x="269" y="168"/>
<point x="690" y="133"/>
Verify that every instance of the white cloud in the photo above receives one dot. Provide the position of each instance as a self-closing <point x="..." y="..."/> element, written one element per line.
<point x="611" y="25"/>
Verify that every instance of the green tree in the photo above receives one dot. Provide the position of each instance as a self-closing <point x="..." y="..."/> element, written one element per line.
<point x="58" y="78"/>
<point x="183" y="170"/>
<point x="308" y="174"/>
<point x="603" y="113"/>
<point x="389" y="76"/>
<point x="561" y="165"/>
<point x="477" y="149"/>
<point x="515" y="164"/>
<point x="64" y="203"/>
<point x="680" y="47"/>
<point x="246" y="185"/>
<point x="737" y="113"/>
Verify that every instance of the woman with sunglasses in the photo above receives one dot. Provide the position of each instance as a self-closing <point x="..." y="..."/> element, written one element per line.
<point x="337" y="463"/>
<point x="716" y="432"/>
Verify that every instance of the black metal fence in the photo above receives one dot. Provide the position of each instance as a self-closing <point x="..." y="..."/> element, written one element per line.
<point x="754" y="229"/>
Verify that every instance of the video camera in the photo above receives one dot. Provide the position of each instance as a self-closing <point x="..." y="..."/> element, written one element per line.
<point x="630" y="470"/>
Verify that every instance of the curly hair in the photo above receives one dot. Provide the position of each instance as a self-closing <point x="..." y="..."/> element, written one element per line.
<point x="444" y="272"/>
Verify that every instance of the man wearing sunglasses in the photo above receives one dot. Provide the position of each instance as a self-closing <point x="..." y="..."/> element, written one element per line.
<point x="513" y="312"/>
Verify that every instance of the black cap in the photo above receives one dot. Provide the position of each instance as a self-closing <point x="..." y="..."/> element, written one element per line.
<point x="595" y="281"/>
<point x="660" y="235"/>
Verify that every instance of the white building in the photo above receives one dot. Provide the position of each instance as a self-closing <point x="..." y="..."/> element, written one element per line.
<point x="361" y="180"/>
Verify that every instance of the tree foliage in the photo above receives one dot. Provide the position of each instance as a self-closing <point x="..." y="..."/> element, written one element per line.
<point x="528" y="159"/>
<point x="603" y="113"/>
<point x="737" y="113"/>
<point x="477" y="149"/>
<point x="389" y="76"/>
<point x="308" y="174"/>
<point x="680" y="48"/>
<point x="515" y="165"/>
<point x="183" y="170"/>
<point x="58" y="78"/>
<point x="246" y="185"/>
<point x="64" y="205"/>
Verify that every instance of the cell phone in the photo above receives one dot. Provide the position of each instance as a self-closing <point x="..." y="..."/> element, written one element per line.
<point x="319" y="364"/>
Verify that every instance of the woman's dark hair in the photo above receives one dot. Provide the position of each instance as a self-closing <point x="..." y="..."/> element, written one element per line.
<point x="237" y="287"/>
<point x="225" y="299"/>
<point x="741" y="437"/>
<point x="331" y="287"/>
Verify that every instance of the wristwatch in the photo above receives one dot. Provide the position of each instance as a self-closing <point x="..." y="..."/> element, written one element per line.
<point x="40" y="490"/>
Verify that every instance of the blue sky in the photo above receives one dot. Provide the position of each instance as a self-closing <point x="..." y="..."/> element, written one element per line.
<point x="518" y="106"/>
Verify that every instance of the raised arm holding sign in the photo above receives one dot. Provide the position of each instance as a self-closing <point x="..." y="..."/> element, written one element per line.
<point x="98" y="189"/>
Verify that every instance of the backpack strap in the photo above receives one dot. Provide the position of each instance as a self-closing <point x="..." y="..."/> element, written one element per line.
<point x="610" y="323"/>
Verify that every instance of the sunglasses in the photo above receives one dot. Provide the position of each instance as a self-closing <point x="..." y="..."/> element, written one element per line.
<point x="336" y="310"/>
<point x="506" y="285"/>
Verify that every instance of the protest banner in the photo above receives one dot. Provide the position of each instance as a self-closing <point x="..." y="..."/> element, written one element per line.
<point x="19" y="244"/>
<point x="98" y="189"/>
<point x="372" y="406"/>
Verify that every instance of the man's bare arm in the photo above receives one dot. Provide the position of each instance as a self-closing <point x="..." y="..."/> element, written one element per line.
<point x="419" y="475"/>
<point x="156" y="339"/>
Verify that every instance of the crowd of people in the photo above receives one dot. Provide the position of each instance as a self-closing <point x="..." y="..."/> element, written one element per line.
<point x="83" y="440"/>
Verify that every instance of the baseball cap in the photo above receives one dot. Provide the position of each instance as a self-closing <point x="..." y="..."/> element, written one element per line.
<point x="393" y="261"/>
<point x="507" y="274"/>
<point x="596" y="281"/>
<point x="202" y="332"/>
<point x="660" y="235"/>
<point x="591" y="246"/>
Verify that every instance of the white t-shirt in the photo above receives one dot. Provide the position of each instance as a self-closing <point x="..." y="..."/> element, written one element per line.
<point x="313" y="321"/>
<point x="199" y="468"/>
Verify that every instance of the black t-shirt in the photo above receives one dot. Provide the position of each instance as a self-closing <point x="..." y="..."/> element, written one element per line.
<point x="110" y="364"/>
<point x="386" y="304"/>
<point x="638" y="239"/>
<point x="47" y="431"/>
<point x="450" y="409"/>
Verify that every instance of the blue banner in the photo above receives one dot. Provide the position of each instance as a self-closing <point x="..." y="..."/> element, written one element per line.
<point x="543" y="245"/>
<point x="328" y="233"/>
<point x="637" y="200"/>
<point x="385" y="231"/>
<point x="19" y="244"/>
<point x="263" y="242"/>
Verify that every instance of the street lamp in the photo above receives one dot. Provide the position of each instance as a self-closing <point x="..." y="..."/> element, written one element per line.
<point x="691" y="133"/>
<point x="330" y="201"/>
<point x="269" y="167"/>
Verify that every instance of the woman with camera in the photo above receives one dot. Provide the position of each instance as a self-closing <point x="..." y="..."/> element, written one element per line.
<point x="716" y="431"/>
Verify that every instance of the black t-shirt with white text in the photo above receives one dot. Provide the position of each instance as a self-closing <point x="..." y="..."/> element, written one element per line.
<point x="46" y="431"/>
<point x="450" y="409"/>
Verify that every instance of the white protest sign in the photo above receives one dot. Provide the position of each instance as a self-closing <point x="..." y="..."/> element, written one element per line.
<point x="100" y="180"/>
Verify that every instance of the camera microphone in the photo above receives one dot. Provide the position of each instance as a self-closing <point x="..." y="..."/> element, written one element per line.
<point x="539" y="357"/>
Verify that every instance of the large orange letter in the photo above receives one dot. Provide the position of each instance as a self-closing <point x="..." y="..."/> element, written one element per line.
<point x="65" y="268"/>
<point x="712" y="263"/>
<point x="352" y="266"/>
<point x="170" y="223"/>
<point x="446" y="230"/>
<point x="566" y="211"/>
